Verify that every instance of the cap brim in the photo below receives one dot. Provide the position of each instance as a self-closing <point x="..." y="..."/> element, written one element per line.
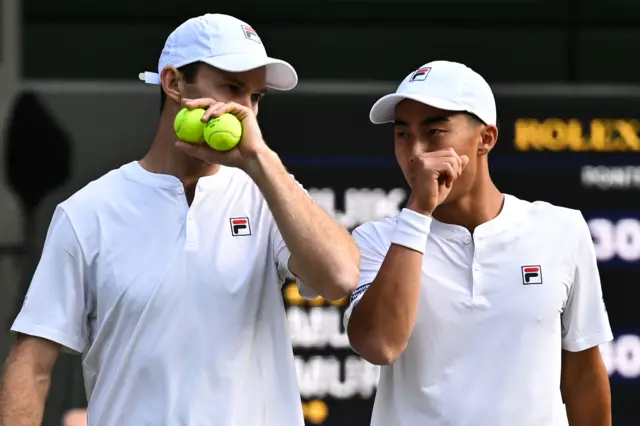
<point x="384" y="110"/>
<point x="280" y="74"/>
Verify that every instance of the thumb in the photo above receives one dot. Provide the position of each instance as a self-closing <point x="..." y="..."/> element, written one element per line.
<point x="465" y="161"/>
<point x="189" y="148"/>
<point x="200" y="151"/>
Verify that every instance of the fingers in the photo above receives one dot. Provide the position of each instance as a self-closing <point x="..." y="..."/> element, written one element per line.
<point x="449" y="155"/>
<point x="219" y="108"/>
<point x="215" y="109"/>
<point x="456" y="164"/>
<point x="440" y="160"/>
<point x="447" y="152"/>
<point x="444" y="165"/>
<point x="203" y="103"/>
<point x="448" y="174"/>
<point x="465" y="161"/>
<point x="189" y="148"/>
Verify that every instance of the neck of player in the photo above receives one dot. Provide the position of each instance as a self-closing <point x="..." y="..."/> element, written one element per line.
<point x="483" y="203"/>
<point x="164" y="158"/>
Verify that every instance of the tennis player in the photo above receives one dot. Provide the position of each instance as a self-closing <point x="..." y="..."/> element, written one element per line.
<point x="166" y="273"/>
<point x="484" y="309"/>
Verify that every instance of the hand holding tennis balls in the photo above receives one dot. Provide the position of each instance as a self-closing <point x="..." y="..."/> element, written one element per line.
<point x="221" y="133"/>
<point x="224" y="131"/>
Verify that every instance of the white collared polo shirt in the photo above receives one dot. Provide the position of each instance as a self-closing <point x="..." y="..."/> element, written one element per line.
<point x="496" y="309"/>
<point x="176" y="309"/>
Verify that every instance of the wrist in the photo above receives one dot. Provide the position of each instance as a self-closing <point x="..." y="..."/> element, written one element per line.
<point x="260" y="162"/>
<point x="257" y="161"/>
<point x="412" y="230"/>
<point x="416" y="208"/>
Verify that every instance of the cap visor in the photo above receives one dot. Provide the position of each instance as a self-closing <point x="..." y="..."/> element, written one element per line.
<point x="384" y="110"/>
<point x="280" y="74"/>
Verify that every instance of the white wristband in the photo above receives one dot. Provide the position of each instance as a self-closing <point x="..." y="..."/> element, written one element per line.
<point x="412" y="230"/>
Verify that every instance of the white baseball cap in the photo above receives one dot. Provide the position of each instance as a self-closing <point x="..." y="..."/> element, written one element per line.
<point x="223" y="42"/>
<point x="441" y="84"/>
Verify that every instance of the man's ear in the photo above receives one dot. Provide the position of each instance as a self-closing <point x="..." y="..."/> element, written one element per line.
<point x="489" y="137"/>
<point x="171" y="81"/>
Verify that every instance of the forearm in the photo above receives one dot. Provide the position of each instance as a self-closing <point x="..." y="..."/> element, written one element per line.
<point x="384" y="318"/>
<point x="22" y="394"/>
<point x="588" y="399"/>
<point x="323" y="254"/>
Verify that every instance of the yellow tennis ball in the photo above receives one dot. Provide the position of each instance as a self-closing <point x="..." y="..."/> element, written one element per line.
<point x="189" y="126"/>
<point x="223" y="133"/>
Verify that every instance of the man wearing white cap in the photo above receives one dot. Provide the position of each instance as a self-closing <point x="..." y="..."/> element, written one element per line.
<point x="484" y="309"/>
<point x="166" y="273"/>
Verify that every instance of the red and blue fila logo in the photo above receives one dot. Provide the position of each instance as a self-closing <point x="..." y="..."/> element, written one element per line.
<point x="531" y="274"/>
<point x="420" y="74"/>
<point x="251" y="34"/>
<point x="240" y="226"/>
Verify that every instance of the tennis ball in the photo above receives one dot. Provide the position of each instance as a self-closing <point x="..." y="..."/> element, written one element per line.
<point x="189" y="126"/>
<point x="223" y="133"/>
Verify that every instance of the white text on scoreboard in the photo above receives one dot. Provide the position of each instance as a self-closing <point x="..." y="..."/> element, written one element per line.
<point x="360" y="205"/>
<point x="322" y="377"/>
<point x="317" y="327"/>
<point x="610" y="178"/>
<point x="622" y="356"/>
<point x="616" y="239"/>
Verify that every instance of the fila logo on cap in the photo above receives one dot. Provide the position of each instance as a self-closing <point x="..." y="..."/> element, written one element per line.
<point x="240" y="226"/>
<point x="251" y="34"/>
<point x="531" y="274"/>
<point x="420" y="74"/>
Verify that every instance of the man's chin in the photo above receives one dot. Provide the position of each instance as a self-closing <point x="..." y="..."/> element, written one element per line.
<point x="451" y="197"/>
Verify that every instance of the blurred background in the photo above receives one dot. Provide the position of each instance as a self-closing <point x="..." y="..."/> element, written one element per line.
<point x="565" y="74"/>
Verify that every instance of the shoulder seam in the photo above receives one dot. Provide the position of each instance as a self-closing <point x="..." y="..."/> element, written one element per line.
<point x="75" y="232"/>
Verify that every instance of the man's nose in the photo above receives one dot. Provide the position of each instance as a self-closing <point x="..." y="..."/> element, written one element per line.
<point x="244" y="101"/>
<point x="420" y="146"/>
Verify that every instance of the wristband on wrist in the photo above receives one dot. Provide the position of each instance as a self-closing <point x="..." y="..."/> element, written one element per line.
<point x="412" y="230"/>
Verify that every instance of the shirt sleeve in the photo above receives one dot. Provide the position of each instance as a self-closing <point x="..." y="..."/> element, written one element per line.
<point x="372" y="253"/>
<point x="585" y="322"/>
<point x="282" y="255"/>
<point x="55" y="306"/>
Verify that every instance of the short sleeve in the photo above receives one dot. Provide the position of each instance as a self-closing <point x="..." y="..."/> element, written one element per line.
<point x="373" y="249"/>
<point x="585" y="322"/>
<point x="282" y="255"/>
<point x="55" y="305"/>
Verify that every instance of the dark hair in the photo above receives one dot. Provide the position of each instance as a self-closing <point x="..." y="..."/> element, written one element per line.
<point x="474" y="118"/>
<point x="188" y="72"/>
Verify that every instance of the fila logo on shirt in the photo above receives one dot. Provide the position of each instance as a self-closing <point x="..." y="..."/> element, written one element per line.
<point x="251" y="34"/>
<point x="240" y="226"/>
<point x="531" y="274"/>
<point x="420" y="74"/>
